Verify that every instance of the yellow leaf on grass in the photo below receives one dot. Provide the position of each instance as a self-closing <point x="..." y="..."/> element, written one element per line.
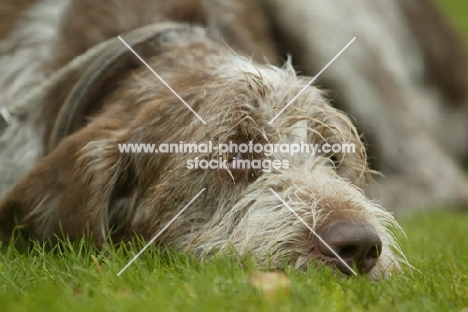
<point x="272" y="284"/>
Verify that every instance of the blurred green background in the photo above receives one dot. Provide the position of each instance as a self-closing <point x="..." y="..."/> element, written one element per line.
<point x="457" y="10"/>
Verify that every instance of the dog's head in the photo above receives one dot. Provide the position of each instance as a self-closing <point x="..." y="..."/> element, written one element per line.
<point x="278" y="210"/>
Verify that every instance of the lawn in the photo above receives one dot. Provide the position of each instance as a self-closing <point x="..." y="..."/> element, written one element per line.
<point x="70" y="280"/>
<point x="457" y="10"/>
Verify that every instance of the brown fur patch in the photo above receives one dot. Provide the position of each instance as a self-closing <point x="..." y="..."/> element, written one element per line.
<point x="9" y="12"/>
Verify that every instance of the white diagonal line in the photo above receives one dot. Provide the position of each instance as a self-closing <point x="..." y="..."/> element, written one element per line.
<point x="162" y="80"/>
<point x="316" y="235"/>
<point x="159" y="233"/>
<point x="312" y="81"/>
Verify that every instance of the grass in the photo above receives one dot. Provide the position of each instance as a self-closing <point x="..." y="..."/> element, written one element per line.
<point x="67" y="279"/>
<point x="457" y="11"/>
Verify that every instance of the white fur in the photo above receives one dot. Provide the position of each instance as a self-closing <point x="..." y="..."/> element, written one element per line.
<point x="23" y="55"/>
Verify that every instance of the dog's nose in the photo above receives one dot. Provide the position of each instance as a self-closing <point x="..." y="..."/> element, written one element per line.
<point x="358" y="245"/>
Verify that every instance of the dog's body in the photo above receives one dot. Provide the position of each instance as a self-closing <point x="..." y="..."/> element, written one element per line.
<point x="73" y="179"/>
<point x="405" y="82"/>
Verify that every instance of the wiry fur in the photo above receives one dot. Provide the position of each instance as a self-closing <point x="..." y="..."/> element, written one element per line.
<point x="86" y="185"/>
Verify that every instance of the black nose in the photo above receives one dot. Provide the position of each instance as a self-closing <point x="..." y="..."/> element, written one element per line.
<point x="358" y="245"/>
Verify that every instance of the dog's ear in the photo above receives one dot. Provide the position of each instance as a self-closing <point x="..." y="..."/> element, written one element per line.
<point x="81" y="88"/>
<point x="74" y="185"/>
<point x="71" y="190"/>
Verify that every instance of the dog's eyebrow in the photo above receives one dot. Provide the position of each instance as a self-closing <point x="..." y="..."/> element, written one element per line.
<point x="162" y="80"/>
<point x="312" y="81"/>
